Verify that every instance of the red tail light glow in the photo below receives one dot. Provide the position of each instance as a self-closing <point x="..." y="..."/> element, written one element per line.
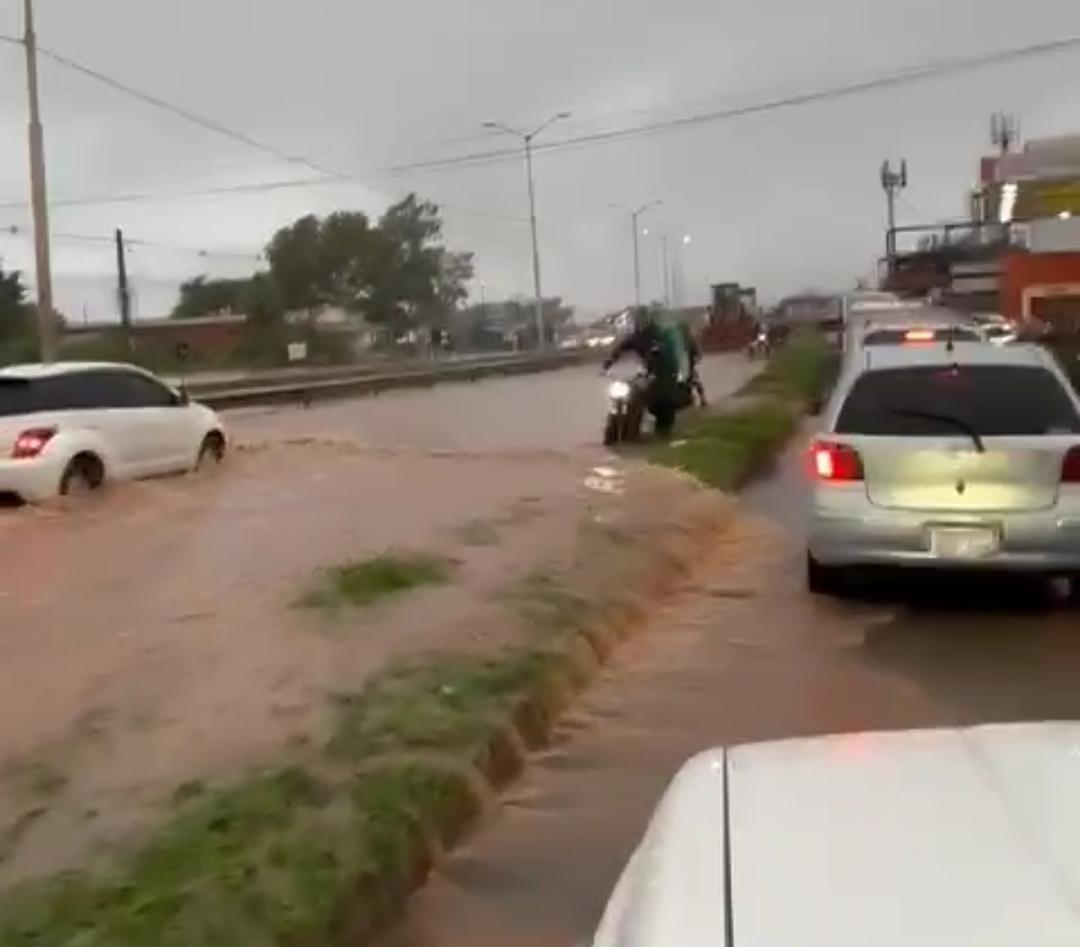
<point x="1070" y="467"/>
<point x="835" y="463"/>
<point x="30" y="443"/>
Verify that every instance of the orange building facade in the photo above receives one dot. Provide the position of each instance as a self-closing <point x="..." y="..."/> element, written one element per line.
<point x="1042" y="286"/>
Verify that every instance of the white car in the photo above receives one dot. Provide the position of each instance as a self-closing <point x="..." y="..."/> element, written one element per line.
<point x="947" y="456"/>
<point x="932" y="838"/>
<point x="74" y="426"/>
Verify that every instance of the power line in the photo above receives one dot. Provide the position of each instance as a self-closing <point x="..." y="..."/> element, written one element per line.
<point x="326" y="175"/>
<point x="136" y="243"/>
<point x="184" y="113"/>
<point x="924" y="72"/>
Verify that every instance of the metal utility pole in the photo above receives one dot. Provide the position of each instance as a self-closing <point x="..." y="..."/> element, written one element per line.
<point x="892" y="182"/>
<point x="124" y="291"/>
<point x="527" y="138"/>
<point x="541" y="340"/>
<point x="634" y="217"/>
<point x="46" y="318"/>
<point x="678" y="273"/>
<point x="667" y="271"/>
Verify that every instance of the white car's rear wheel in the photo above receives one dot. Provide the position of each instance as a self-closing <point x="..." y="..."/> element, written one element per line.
<point x="84" y="474"/>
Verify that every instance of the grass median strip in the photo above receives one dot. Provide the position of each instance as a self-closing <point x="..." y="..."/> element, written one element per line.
<point x="278" y="860"/>
<point x="726" y="447"/>
<point x="723" y="449"/>
<point x="364" y="583"/>
<point x="312" y="853"/>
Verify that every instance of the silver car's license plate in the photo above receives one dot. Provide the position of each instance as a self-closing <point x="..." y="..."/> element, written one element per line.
<point x="956" y="542"/>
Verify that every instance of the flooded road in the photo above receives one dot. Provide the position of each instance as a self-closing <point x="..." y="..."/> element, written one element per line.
<point x="745" y="655"/>
<point x="559" y="410"/>
<point x="150" y="634"/>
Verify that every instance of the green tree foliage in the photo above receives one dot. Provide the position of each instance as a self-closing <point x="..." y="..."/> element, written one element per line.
<point x="298" y="262"/>
<point x="16" y="317"/>
<point x="202" y="296"/>
<point x="396" y="273"/>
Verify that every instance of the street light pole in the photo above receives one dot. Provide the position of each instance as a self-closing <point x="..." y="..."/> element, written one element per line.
<point x="527" y="138"/>
<point x="539" y="303"/>
<point x="634" y="215"/>
<point x="46" y="319"/>
<point x="667" y="272"/>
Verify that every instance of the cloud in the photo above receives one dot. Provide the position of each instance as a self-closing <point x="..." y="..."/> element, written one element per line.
<point x="782" y="200"/>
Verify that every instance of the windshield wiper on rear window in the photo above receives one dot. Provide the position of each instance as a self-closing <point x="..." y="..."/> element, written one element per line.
<point x="949" y="420"/>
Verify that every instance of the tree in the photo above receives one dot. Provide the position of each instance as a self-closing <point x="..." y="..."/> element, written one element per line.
<point x="455" y="272"/>
<point x="16" y="317"/>
<point x="396" y="273"/>
<point x="202" y="296"/>
<point x="295" y="255"/>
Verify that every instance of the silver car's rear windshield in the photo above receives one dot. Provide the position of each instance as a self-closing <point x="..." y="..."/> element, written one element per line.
<point x="993" y="400"/>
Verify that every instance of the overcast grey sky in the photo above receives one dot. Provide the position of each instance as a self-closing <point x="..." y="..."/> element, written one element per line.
<point x="784" y="200"/>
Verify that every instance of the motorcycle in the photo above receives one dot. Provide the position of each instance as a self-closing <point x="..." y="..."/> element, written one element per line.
<point x="760" y="346"/>
<point x="626" y="410"/>
<point x="627" y="406"/>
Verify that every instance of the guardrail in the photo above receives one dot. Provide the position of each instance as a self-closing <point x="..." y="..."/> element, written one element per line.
<point x="293" y="386"/>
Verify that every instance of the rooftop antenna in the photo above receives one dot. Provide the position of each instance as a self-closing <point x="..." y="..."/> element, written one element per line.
<point x="1004" y="130"/>
<point x="892" y="183"/>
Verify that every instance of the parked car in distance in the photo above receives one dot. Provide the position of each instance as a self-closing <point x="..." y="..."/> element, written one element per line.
<point x="947" y="456"/>
<point x="73" y="426"/>
<point x="929" y="837"/>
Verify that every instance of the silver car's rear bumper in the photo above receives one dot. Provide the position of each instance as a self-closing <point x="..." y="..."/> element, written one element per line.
<point x="855" y="532"/>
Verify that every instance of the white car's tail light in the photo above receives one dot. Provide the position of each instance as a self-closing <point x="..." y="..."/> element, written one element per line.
<point x="1070" y="467"/>
<point x="835" y="463"/>
<point x="31" y="442"/>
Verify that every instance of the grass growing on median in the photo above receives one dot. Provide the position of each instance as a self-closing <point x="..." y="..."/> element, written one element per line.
<point x="454" y="705"/>
<point x="364" y="583"/>
<point x="725" y="448"/>
<point x="271" y="862"/>
<point x="288" y="857"/>
<point x="799" y="371"/>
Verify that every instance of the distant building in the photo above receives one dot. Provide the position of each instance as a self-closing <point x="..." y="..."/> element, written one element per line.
<point x="1018" y="254"/>
<point x="204" y="337"/>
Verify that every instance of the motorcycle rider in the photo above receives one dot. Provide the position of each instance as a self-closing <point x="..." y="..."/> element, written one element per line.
<point x="661" y="349"/>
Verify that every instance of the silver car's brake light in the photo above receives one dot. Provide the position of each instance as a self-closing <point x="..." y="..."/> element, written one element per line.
<point x="835" y="463"/>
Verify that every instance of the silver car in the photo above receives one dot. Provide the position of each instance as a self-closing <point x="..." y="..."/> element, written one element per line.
<point x="947" y="456"/>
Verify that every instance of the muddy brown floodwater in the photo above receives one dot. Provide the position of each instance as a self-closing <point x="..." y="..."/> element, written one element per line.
<point x="745" y="654"/>
<point x="559" y="410"/>
<point x="149" y="637"/>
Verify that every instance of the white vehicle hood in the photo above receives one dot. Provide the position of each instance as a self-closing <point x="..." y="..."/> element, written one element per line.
<point x="934" y="838"/>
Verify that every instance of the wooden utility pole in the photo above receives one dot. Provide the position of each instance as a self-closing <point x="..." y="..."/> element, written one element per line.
<point x="46" y="314"/>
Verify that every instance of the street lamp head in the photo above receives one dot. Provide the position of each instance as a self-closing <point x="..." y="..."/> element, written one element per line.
<point x="687" y="240"/>
<point x="491" y="124"/>
<point x="563" y="115"/>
